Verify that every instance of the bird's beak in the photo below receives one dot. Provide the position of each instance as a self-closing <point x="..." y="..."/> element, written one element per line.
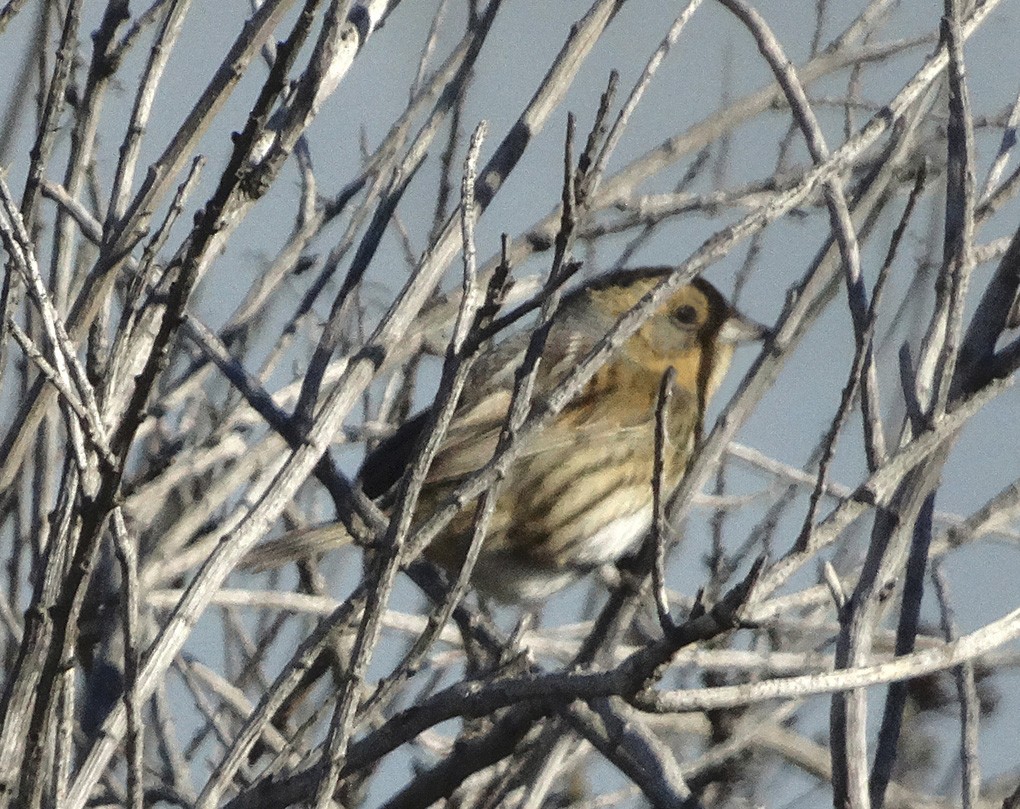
<point x="735" y="329"/>
<point x="740" y="329"/>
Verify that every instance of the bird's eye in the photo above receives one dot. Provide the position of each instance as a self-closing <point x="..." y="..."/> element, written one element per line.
<point x="686" y="314"/>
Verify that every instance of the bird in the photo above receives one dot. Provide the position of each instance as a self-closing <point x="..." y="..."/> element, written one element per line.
<point x="579" y="493"/>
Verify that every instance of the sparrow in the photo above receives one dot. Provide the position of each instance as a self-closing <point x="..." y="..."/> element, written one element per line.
<point x="579" y="493"/>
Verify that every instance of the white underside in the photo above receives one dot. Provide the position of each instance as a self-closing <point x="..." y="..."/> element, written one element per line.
<point x="616" y="538"/>
<point x="509" y="580"/>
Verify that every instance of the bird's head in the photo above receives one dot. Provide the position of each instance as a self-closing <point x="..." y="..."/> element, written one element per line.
<point x="695" y="331"/>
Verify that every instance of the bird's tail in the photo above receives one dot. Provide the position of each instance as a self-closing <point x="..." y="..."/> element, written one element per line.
<point x="300" y="543"/>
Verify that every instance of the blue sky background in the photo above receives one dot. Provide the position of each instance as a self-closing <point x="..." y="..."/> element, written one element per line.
<point x="714" y="58"/>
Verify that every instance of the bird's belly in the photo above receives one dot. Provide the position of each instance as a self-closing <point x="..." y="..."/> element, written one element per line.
<point x="517" y="581"/>
<point x="614" y="539"/>
<point x="515" y="577"/>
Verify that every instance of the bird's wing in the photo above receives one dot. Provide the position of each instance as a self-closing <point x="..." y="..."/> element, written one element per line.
<point x="473" y="434"/>
<point x="386" y="463"/>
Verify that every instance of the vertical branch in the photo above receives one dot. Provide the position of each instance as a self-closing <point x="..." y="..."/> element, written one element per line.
<point x="637" y="92"/>
<point x="88" y="114"/>
<point x="941" y="345"/>
<point x="960" y="204"/>
<point x="966" y="690"/>
<point x="659" y="498"/>
<point x="127" y="556"/>
<point x="145" y="96"/>
<point x="55" y="99"/>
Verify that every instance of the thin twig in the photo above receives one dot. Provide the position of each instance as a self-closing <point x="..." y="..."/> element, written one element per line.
<point x="966" y="690"/>
<point x="659" y="497"/>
